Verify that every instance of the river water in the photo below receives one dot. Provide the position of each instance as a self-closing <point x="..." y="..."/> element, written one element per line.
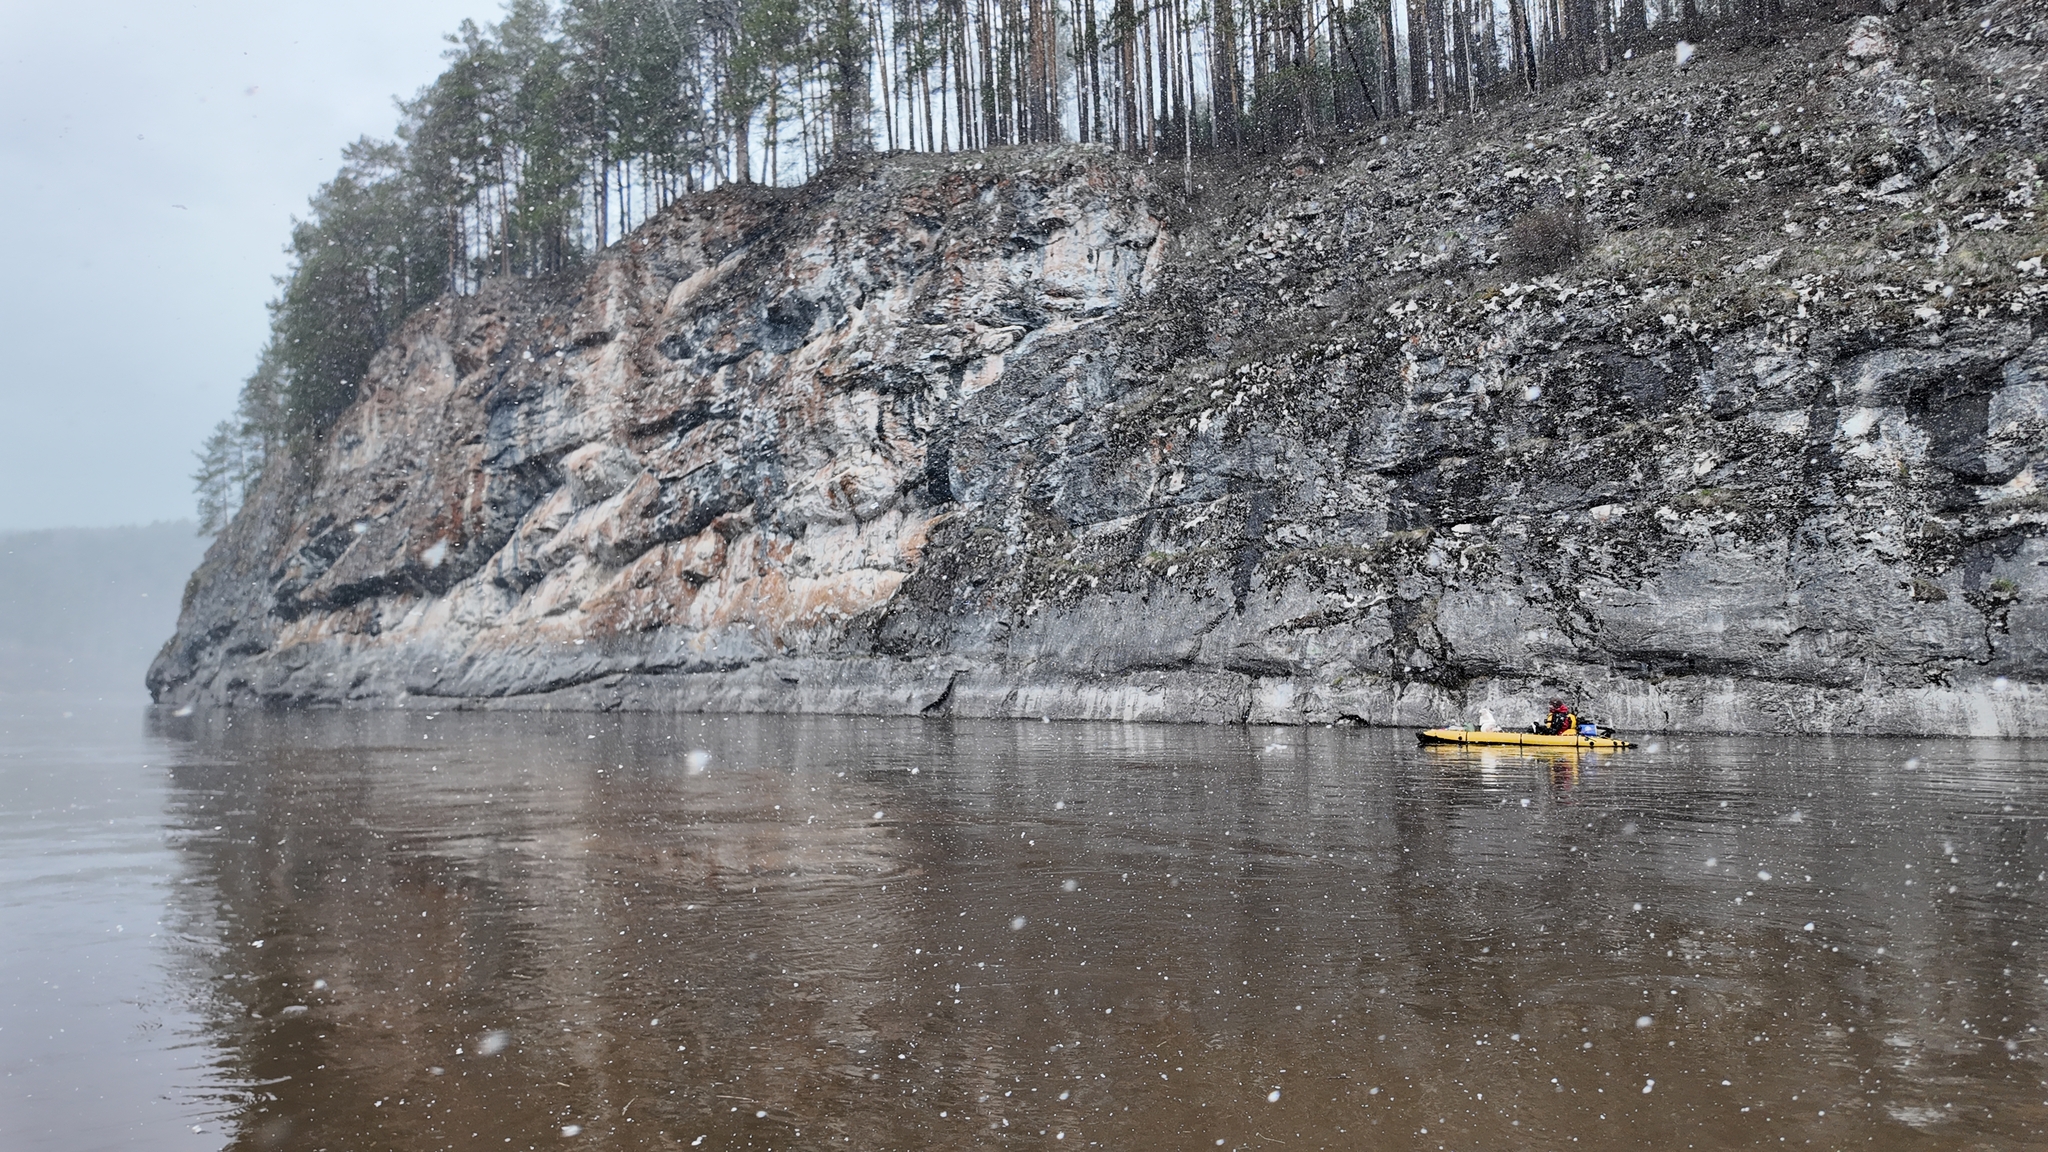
<point x="451" y="930"/>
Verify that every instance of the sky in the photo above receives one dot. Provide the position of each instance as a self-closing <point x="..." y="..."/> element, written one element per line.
<point x="152" y="156"/>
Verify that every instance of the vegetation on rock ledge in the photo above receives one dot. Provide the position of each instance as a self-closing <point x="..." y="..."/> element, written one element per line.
<point x="562" y="127"/>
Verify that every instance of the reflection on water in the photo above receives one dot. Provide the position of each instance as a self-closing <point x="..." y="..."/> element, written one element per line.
<point x="99" y="1048"/>
<point x="639" y="932"/>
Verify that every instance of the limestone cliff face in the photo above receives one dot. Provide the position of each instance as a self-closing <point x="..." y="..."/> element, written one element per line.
<point x="1050" y="434"/>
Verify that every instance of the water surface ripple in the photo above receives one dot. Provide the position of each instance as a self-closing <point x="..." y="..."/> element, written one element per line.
<point x="458" y="930"/>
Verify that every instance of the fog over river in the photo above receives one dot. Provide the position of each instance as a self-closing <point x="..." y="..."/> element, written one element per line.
<point x="408" y="930"/>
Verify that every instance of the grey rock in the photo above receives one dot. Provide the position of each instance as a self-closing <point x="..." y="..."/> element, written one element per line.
<point x="1036" y="438"/>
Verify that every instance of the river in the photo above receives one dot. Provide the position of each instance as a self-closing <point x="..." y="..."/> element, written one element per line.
<point x="421" y="930"/>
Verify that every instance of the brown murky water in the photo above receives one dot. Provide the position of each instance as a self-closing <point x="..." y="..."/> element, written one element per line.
<point x="408" y="932"/>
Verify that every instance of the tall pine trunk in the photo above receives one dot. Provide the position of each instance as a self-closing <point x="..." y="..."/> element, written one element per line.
<point x="1348" y="42"/>
<point x="1223" y="83"/>
<point x="1418" y="55"/>
<point x="1434" y="13"/>
<point x="1390" y="76"/>
<point x="963" y="76"/>
<point x="1094" y="70"/>
<point x="1126" y="18"/>
<point x="1520" y="44"/>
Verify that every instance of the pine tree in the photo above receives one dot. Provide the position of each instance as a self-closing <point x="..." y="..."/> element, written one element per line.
<point x="364" y="259"/>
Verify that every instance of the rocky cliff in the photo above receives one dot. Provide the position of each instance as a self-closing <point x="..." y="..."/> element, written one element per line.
<point x="1716" y="397"/>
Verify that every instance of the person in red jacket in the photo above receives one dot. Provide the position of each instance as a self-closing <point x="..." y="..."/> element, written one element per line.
<point x="1561" y="720"/>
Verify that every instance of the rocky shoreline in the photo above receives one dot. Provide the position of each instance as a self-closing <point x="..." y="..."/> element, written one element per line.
<point x="1716" y="399"/>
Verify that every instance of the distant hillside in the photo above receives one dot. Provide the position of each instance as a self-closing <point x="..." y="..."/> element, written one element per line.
<point x="83" y="609"/>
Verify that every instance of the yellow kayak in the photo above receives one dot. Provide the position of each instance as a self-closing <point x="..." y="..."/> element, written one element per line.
<point x="1516" y="739"/>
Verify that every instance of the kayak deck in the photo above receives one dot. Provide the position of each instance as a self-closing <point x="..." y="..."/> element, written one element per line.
<point x="1516" y="739"/>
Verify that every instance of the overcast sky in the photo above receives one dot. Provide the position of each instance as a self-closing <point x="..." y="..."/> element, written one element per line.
<point x="152" y="155"/>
